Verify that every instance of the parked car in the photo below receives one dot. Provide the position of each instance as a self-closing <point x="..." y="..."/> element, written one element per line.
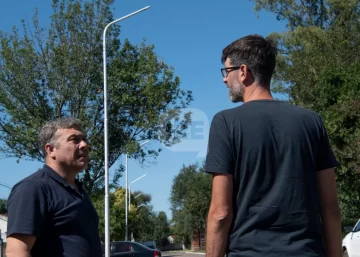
<point x="351" y="242"/>
<point x="150" y="244"/>
<point x="131" y="249"/>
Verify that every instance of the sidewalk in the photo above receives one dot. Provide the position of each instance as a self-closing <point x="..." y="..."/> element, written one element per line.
<point x="187" y="252"/>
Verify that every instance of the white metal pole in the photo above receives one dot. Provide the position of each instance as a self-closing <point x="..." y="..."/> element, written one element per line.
<point x="130" y="188"/>
<point x="126" y="197"/>
<point x="106" y="155"/>
<point x="147" y="141"/>
<point x="126" y="193"/>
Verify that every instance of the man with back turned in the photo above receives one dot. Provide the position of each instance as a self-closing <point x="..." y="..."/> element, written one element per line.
<point x="274" y="190"/>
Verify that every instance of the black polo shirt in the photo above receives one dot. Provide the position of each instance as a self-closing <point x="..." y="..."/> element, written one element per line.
<point x="64" y="221"/>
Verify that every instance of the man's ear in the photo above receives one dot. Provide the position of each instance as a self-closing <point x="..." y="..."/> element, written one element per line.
<point x="49" y="148"/>
<point x="245" y="74"/>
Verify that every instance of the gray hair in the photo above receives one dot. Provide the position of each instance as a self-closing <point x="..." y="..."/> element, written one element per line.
<point x="48" y="131"/>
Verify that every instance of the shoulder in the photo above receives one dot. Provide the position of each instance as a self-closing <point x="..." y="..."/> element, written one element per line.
<point x="246" y="110"/>
<point x="305" y="115"/>
<point x="35" y="183"/>
<point x="39" y="177"/>
<point x="294" y="112"/>
<point x="227" y="115"/>
<point x="299" y="109"/>
<point x="230" y="112"/>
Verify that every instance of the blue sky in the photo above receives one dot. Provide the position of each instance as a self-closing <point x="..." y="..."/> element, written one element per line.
<point x="189" y="35"/>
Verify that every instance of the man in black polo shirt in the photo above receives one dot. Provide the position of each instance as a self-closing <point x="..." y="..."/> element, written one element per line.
<point x="49" y="214"/>
<point x="274" y="190"/>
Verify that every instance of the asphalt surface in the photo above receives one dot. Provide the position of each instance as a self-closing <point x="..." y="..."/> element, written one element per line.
<point x="182" y="254"/>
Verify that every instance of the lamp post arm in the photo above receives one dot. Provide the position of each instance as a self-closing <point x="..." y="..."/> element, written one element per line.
<point x="130" y="188"/>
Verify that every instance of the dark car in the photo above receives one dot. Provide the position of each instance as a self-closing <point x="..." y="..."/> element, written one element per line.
<point x="150" y="244"/>
<point x="132" y="249"/>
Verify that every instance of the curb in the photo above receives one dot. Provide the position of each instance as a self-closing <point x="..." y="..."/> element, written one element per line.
<point x="195" y="253"/>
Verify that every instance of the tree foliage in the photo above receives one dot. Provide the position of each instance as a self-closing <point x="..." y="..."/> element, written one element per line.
<point x="161" y="229"/>
<point x="142" y="217"/>
<point x="48" y="73"/>
<point x="116" y="213"/>
<point x="3" y="206"/>
<point x="318" y="68"/>
<point x="190" y="199"/>
<point x="143" y="223"/>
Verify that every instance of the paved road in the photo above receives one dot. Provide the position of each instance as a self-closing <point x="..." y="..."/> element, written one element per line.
<point x="181" y="254"/>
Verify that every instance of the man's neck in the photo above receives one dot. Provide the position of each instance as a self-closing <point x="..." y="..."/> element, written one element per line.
<point x="66" y="174"/>
<point x="256" y="92"/>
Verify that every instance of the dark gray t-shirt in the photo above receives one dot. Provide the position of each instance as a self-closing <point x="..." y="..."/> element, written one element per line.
<point x="273" y="149"/>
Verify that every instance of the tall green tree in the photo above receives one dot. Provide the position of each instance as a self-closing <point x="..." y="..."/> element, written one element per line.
<point x="146" y="224"/>
<point x="141" y="217"/>
<point x="3" y="208"/>
<point x="116" y="213"/>
<point x="161" y="229"/>
<point x="318" y="68"/>
<point x="48" y="73"/>
<point x="190" y="200"/>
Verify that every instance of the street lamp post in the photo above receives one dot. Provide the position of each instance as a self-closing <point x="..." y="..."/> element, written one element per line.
<point x="126" y="191"/>
<point x="130" y="201"/>
<point x="126" y="196"/>
<point x="106" y="160"/>
<point x="130" y="189"/>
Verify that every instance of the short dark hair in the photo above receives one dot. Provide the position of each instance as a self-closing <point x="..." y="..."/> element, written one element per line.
<point x="256" y="52"/>
<point x="48" y="131"/>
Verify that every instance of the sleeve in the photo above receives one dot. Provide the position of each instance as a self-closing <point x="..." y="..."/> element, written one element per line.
<point x="325" y="157"/>
<point x="27" y="208"/>
<point x="219" y="158"/>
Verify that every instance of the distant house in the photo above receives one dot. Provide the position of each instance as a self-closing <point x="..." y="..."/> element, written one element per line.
<point x="3" y="226"/>
<point x="171" y="239"/>
<point x="198" y="240"/>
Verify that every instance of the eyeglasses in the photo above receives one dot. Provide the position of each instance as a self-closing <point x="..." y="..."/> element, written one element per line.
<point x="225" y="71"/>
